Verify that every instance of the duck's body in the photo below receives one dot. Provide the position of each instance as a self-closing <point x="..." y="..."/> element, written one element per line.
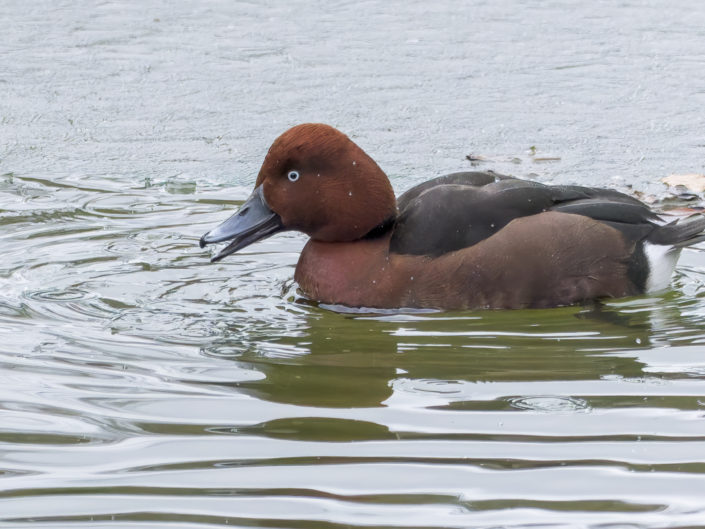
<point x="497" y="272"/>
<point x="466" y="240"/>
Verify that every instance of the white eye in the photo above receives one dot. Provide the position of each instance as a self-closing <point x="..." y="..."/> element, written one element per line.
<point x="293" y="176"/>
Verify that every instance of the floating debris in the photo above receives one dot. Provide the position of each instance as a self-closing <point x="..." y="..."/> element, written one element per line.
<point x="648" y="198"/>
<point x="532" y="152"/>
<point x="692" y="182"/>
<point x="476" y="159"/>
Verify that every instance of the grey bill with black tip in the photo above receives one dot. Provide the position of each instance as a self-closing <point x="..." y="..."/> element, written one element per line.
<point x="254" y="221"/>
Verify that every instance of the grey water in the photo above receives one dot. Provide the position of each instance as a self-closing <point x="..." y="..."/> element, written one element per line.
<point x="143" y="387"/>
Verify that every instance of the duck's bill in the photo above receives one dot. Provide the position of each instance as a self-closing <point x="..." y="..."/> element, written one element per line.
<point x="253" y="222"/>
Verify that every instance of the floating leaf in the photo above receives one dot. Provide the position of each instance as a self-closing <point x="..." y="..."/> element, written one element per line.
<point x="692" y="182"/>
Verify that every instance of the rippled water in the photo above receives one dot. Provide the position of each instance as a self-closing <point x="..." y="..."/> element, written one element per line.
<point x="142" y="386"/>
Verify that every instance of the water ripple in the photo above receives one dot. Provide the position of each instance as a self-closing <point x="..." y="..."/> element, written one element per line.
<point x="142" y="386"/>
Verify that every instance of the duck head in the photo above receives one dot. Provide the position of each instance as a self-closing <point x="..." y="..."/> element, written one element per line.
<point x="314" y="179"/>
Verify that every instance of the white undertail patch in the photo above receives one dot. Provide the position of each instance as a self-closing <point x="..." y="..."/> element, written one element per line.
<point x="661" y="260"/>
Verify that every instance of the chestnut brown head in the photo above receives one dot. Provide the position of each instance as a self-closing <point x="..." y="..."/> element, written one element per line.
<point x="314" y="179"/>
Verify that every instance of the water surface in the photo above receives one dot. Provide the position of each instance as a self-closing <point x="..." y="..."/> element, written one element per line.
<point x="143" y="387"/>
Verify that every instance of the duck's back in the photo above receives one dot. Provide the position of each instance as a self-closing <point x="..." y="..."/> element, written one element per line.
<point x="459" y="210"/>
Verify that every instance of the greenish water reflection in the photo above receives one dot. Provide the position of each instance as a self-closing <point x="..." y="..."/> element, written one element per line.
<point x="346" y="360"/>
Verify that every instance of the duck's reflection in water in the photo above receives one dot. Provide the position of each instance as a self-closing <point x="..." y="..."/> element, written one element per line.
<point x="353" y="360"/>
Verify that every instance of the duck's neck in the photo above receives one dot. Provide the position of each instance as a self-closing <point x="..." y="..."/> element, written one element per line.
<point x="383" y="228"/>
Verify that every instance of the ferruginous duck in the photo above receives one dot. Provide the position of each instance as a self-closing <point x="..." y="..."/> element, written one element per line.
<point x="461" y="241"/>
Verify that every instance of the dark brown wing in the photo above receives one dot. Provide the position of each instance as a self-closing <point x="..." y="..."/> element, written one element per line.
<point x="459" y="210"/>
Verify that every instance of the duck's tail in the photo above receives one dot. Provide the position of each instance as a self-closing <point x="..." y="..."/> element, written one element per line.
<point x="679" y="233"/>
